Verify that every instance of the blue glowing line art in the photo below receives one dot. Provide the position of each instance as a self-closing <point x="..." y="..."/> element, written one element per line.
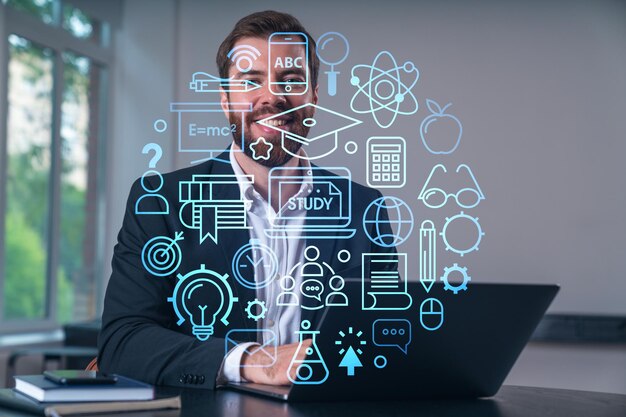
<point x="382" y="286"/>
<point x="428" y="254"/>
<point x="191" y="294"/>
<point x="288" y="88"/>
<point x="386" y="162"/>
<point x="332" y="38"/>
<point x="433" y="121"/>
<point x="384" y="90"/>
<point x="380" y="361"/>
<point x="431" y="314"/>
<point x="446" y="281"/>
<point x="267" y="349"/>
<point x="392" y="332"/>
<point x="311" y="370"/>
<point x="373" y="216"/>
<point x="479" y="233"/>
<point x="201" y="82"/>
<point x="250" y="257"/>
<point x="260" y="155"/>
<point x="243" y="56"/>
<point x="258" y="305"/>
<point x="428" y="192"/>
<point x="151" y="194"/>
<point x="350" y="359"/>
<point x="161" y="256"/>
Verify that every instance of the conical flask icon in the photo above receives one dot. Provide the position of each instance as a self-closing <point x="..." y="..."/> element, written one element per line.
<point x="312" y="369"/>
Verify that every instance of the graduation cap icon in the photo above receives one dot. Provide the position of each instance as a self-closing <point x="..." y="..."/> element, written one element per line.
<point x="322" y="144"/>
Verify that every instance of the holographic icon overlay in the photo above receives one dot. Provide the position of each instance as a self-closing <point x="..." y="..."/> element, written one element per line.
<point x="332" y="49"/>
<point x="384" y="92"/>
<point x="382" y="216"/>
<point x="209" y="214"/>
<point x="350" y="359"/>
<point x="440" y="132"/>
<point x="431" y="314"/>
<point x="386" y="162"/>
<point x="316" y="146"/>
<point x="382" y="284"/>
<point x="288" y="55"/>
<point x="325" y="213"/>
<point x="435" y="197"/>
<point x="202" y="127"/>
<point x="256" y="309"/>
<point x="255" y="265"/>
<point x="243" y="56"/>
<point x="267" y="349"/>
<point x="311" y="370"/>
<point x="201" y="82"/>
<point x="455" y="288"/>
<point x="161" y="255"/>
<point x="459" y="218"/>
<point x="392" y="332"/>
<point x="152" y="202"/>
<point x="193" y="293"/>
<point x="428" y="254"/>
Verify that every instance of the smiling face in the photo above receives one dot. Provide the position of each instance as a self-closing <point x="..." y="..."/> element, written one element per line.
<point x="277" y="77"/>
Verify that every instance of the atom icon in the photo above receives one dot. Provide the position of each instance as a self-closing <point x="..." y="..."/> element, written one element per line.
<point x="384" y="90"/>
<point x="161" y="255"/>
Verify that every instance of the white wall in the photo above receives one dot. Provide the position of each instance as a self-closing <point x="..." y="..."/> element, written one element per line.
<point x="540" y="88"/>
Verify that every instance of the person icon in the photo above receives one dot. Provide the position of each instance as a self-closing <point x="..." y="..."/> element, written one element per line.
<point x="151" y="202"/>
<point x="287" y="297"/>
<point x="336" y="298"/>
<point x="311" y="268"/>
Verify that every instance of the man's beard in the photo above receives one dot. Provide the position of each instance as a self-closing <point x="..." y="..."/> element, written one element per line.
<point x="278" y="155"/>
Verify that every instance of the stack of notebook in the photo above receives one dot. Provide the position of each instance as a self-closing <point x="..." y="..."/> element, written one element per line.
<point x="36" y="394"/>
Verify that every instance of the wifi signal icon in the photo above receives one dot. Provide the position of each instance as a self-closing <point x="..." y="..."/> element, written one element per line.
<point x="243" y="56"/>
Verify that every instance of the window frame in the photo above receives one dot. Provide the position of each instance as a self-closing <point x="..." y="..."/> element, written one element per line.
<point x="58" y="40"/>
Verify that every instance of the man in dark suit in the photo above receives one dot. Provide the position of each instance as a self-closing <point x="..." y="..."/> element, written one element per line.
<point x="143" y="335"/>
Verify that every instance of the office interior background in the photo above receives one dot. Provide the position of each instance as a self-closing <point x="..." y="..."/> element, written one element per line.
<point x="539" y="86"/>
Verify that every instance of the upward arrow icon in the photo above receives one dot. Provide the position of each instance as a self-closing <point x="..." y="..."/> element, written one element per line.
<point x="350" y="361"/>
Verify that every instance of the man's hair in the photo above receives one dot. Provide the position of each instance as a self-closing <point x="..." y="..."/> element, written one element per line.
<point x="262" y="25"/>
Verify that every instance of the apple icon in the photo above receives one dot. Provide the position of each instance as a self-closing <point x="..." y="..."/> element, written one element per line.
<point x="440" y="132"/>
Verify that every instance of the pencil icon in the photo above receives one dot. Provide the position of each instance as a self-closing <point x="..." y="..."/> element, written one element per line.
<point x="428" y="255"/>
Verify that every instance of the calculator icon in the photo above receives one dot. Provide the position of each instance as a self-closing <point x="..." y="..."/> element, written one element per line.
<point x="386" y="162"/>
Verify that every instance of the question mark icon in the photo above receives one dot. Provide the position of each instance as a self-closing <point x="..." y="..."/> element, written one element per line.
<point x="158" y="153"/>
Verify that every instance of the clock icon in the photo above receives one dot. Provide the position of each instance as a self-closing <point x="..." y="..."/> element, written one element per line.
<point x="252" y="257"/>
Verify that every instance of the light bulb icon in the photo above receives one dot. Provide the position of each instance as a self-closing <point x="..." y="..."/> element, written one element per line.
<point x="204" y="296"/>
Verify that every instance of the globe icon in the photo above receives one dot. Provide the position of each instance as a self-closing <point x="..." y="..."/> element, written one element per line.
<point x="391" y="231"/>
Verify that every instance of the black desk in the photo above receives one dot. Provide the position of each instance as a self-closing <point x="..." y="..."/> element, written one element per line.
<point x="511" y="401"/>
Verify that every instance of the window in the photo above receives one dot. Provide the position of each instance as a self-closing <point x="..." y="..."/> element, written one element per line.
<point x="56" y="70"/>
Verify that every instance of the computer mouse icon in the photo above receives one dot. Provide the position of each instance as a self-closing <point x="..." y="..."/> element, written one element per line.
<point x="431" y="314"/>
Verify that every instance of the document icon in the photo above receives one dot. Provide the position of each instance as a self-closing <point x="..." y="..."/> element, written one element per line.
<point x="383" y="288"/>
<point x="266" y="349"/>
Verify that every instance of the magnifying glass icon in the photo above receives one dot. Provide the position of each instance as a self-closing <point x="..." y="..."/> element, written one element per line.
<point x="332" y="49"/>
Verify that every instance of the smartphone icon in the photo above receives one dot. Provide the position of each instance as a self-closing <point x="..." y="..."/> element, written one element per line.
<point x="288" y="54"/>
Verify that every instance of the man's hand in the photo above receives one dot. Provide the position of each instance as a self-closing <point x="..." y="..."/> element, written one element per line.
<point x="277" y="373"/>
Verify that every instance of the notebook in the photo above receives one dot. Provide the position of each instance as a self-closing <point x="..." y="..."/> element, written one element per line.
<point x="42" y="389"/>
<point x="9" y="398"/>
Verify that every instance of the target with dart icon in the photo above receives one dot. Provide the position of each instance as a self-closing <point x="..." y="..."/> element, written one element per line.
<point x="161" y="255"/>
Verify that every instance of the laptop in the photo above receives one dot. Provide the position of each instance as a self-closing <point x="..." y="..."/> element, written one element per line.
<point x="483" y="330"/>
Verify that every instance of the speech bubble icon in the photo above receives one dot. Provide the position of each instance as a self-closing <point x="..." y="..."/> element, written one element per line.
<point x="392" y="332"/>
<point x="312" y="288"/>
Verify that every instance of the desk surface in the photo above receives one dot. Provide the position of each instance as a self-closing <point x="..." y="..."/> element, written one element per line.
<point x="511" y="401"/>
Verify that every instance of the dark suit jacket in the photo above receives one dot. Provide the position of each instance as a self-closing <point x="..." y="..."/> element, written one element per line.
<point x="140" y="337"/>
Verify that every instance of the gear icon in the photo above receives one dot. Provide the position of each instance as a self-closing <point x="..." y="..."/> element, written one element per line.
<point x="455" y="288"/>
<point x="479" y="232"/>
<point x="262" y="309"/>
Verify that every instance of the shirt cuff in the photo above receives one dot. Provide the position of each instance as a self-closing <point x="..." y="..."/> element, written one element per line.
<point x="230" y="371"/>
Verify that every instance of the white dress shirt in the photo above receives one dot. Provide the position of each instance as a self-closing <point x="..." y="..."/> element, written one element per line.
<point x="284" y="320"/>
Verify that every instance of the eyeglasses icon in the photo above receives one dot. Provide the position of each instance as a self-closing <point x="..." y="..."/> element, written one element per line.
<point x="434" y="197"/>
